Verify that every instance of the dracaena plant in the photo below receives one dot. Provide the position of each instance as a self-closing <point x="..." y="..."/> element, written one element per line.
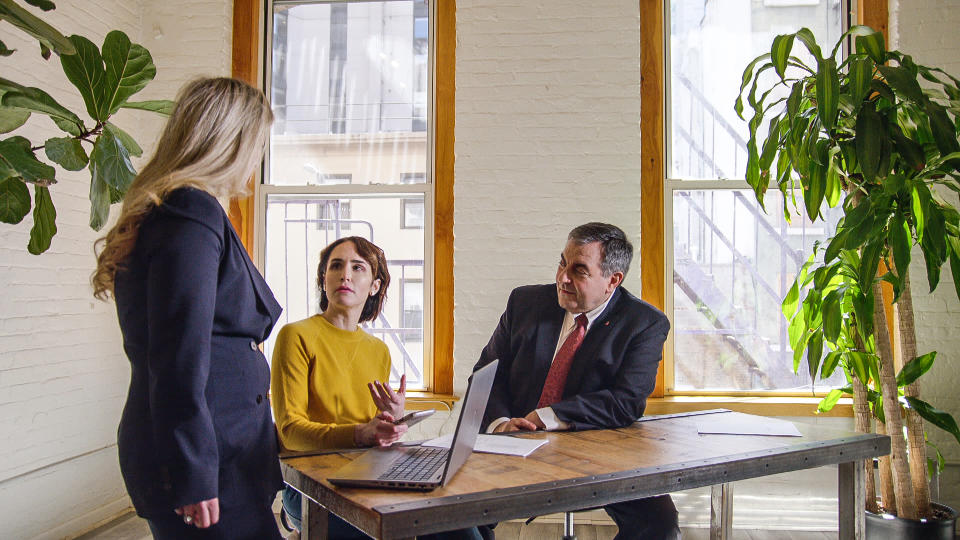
<point x="861" y="131"/>
<point x="106" y="77"/>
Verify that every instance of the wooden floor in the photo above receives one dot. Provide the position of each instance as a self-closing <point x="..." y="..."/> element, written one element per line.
<point x="130" y="527"/>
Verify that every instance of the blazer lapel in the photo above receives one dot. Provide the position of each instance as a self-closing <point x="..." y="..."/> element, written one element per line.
<point x="587" y="353"/>
<point x="264" y="295"/>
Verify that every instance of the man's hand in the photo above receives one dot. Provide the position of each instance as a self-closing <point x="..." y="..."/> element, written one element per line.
<point x="531" y="422"/>
<point x="202" y="514"/>
<point x="379" y="431"/>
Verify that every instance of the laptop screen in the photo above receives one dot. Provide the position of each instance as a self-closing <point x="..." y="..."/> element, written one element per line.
<point x="468" y="426"/>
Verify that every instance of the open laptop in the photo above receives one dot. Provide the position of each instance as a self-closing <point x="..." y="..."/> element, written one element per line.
<point x="421" y="467"/>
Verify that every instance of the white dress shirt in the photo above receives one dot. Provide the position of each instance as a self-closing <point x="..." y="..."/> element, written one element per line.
<point x="546" y="414"/>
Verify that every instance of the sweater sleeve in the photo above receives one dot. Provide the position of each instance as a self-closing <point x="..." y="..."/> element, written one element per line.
<point x="290" y="377"/>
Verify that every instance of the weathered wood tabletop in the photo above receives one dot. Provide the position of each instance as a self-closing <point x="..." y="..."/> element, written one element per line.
<point x="586" y="469"/>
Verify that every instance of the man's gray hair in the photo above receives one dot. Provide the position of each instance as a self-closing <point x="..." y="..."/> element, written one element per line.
<point x="616" y="251"/>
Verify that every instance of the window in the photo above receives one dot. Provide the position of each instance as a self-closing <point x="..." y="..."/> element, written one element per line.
<point x="730" y="263"/>
<point x="412" y="214"/>
<point x="352" y="153"/>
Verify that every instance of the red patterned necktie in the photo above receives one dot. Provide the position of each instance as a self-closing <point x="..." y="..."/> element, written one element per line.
<point x="557" y="376"/>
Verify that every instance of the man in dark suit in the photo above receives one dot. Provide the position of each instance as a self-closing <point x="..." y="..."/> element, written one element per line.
<point x="582" y="354"/>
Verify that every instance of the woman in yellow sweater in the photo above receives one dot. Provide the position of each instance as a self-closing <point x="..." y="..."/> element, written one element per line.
<point x="329" y="378"/>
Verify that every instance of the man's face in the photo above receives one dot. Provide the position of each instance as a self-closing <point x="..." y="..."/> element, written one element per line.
<point x="581" y="285"/>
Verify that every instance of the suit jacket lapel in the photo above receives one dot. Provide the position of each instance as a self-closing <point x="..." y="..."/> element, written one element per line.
<point x="548" y="331"/>
<point x="587" y="353"/>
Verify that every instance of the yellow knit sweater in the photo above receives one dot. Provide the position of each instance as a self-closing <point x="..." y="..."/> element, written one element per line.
<point x="319" y="382"/>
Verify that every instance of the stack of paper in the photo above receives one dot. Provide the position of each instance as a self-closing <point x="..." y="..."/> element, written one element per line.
<point x="495" y="444"/>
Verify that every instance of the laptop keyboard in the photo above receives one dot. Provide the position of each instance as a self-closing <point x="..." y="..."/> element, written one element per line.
<point x="416" y="466"/>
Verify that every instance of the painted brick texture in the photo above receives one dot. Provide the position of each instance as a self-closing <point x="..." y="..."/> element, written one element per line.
<point x="927" y="31"/>
<point x="63" y="374"/>
<point x="547" y="138"/>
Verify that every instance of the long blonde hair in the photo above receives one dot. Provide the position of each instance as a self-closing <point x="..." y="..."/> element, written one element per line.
<point x="213" y="141"/>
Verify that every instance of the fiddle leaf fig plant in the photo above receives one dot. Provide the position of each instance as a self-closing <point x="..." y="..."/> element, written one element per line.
<point x="878" y="134"/>
<point x="106" y="78"/>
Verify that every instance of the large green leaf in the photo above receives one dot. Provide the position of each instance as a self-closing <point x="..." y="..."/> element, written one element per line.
<point x="903" y="82"/>
<point x="129" y="69"/>
<point x="11" y="118"/>
<point x="816" y="182"/>
<point x="44" y="221"/>
<point x="898" y="239"/>
<point x="85" y="70"/>
<point x="125" y="139"/>
<point x="832" y="317"/>
<point x="747" y="76"/>
<point x="806" y="37"/>
<point x="66" y="152"/>
<point x="45" y="5"/>
<point x="933" y="265"/>
<point x="814" y="354"/>
<point x="913" y="369"/>
<point x="935" y="416"/>
<point x="160" y="106"/>
<point x="112" y="161"/>
<point x="827" y="91"/>
<point x="830" y="363"/>
<point x="780" y="53"/>
<point x="868" y="141"/>
<point x="944" y="131"/>
<point x="14" y="200"/>
<point x="863" y="308"/>
<point x="860" y="74"/>
<point x="872" y="45"/>
<point x="4" y="51"/>
<point x="830" y="400"/>
<point x="33" y="25"/>
<point x="834" y="187"/>
<point x="909" y="150"/>
<point x="99" y="198"/>
<point x="35" y="99"/>
<point x="954" y="245"/>
<point x="16" y="154"/>
<point x="859" y="363"/>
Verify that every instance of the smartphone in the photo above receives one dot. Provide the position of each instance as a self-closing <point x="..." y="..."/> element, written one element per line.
<point x="414" y="417"/>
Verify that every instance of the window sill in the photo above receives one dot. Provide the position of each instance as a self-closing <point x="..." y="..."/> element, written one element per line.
<point x="763" y="406"/>
<point x="419" y="400"/>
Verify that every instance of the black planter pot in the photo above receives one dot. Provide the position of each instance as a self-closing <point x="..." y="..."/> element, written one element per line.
<point x="887" y="527"/>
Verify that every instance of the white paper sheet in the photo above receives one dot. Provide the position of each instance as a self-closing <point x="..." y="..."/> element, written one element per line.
<point x="747" y="425"/>
<point x="495" y="444"/>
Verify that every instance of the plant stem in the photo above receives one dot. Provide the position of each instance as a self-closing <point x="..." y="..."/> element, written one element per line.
<point x="862" y="424"/>
<point x="906" y="505"/>
<point x="905" y="334"/>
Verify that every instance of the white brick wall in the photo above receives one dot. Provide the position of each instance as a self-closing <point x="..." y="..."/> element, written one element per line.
<point x="936" y="45"/>
<point x="63" y="375"/>
<point x="547" y="138"/>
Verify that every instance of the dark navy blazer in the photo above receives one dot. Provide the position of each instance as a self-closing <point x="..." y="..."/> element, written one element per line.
<point x="193" y="308"/>
<point x="612" y="373"/>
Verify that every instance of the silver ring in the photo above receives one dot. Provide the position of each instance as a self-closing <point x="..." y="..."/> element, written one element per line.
<point x="188" y="519"/>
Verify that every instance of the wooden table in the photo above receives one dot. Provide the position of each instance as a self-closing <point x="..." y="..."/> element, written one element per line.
<point x="587" y="469"/>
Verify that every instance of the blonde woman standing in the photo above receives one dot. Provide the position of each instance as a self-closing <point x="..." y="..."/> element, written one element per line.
<point x="196" y="441"/>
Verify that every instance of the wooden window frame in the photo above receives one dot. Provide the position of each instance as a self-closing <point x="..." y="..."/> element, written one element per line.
<point x="653" y="228"/>
<point x="246" y="64"/>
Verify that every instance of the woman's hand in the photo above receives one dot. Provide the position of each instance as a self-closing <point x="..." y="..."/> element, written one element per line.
<point x="379" y="431"/>
<point x="202" y="514"/>
<point x="386" y="399"/>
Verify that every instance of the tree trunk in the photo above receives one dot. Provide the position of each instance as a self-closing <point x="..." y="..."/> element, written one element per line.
<point x="902" y="486"/>
<point x="862" y="423"/>
<point x="887" y="496"/>
<point x="905" y="335"/>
